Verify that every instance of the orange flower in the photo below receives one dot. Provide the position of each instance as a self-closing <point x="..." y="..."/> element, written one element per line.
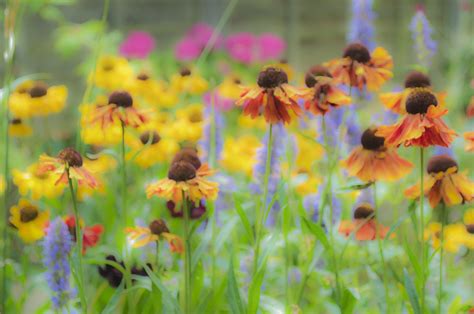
<point x="396" y="101"/>
<point x="364" y="225"/>
<point x="185" y="176"/>
<point x="68" y="165"/>
<point x="121" y="108"/>
<point x="359" y="68"/>
<point x="469" y="137"/>
<point x="141" y="236"/>
<point x="322" y="92"/>
<point x="90" y="235"/>
<point x="373" y="161"/>
<point x="444" y="183"/>
<point x="422" y="126"/>
<point x="273" y="96"/>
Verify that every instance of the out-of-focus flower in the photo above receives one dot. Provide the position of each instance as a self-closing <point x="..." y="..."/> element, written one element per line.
<point x="444" y="183"/>
<point x="97" y="165"/>
<point x="243" y="146"/>
<point x="425" y="46"/>
<point x="224" y="95"/>
<point x="415" y="81"/>
<point x="115" y="276"/>
<point x="213" y="136"/>
<point x="422" y="126"/>
<point x="37" y="99"/>
<point x="187" y="81"/>
<point x="37" y="183"/>
<point x="142" y="86"/>
<point x="141" y="236"/>
<point x="273" y="96"/>
<point x="18" y="128"/>
<point x="270" y="47"/>
<point x="469" y="137"/>
<point x="2" y="185"/>
<point x="313" y="202"/>
<point x="67" y="165"/>
<point x="373" y="161"/>
<point x="196" y="210"/>
<point x="322" y="92"/>
<point x="112" y="73"/>
<point x="364" y="225"/>
<point x="150" y="148"/>
<point x="29" y="220"/>
<point x="193" y="43"/>
<point x="247" y="122"/>
<point x="248" y="48"/>
<point x="361" y="27"/>
<point x="308" y="150"/>
<point x="309" y="184"/>
<point x="90" y="234"/>
<point x="137" y="45"/>
<point x="240" y="47"/>
<point x="360" y="68"/>
<point x="189" y="123"/>
<point x="56" y="249"/>
<point x="186" y="176"/>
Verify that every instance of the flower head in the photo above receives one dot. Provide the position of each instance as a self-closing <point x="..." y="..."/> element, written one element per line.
<point x="112" y="73"/>
<point x="138" y="45"/>
<point x="28" y="220"/>
<point x="196" y="209"/>
<point x="36" y="183"/>
<point x="90" y="234"/>
<point x="18" y="128"/>
<point x="156" y="230"/>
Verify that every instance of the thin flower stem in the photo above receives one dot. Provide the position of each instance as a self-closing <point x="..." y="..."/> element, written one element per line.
<point x="188" y="257"/>
<point x="441" y="254"/>
<point x="382" y="258"/>
<point x="157" y="256"/>
<point x="212" y="158"/>
<point x="422" y="226"/>
<point x="124" y="178"/>
<point x="80" y="271"/>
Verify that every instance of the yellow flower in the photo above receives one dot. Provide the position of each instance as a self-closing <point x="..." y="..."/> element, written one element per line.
<point x="167" y="97"/>
<point x="112" y="73"/>
<point x="188" y="81"/>
<point x="39" y="185"/>
<point x="29" y="221"/>
<point x="37" y="100"/>
<point x="149" y="148"/>
<point x="245" y="147"/>
<point x="247" y="122"/>
<point x="230" y="88"/>
<point x="308" y="184"/>
<point x="17" y="128"/>
<point x="469" y="216"/>
<point x="94" y="134"/>
<point x="141" y="236"/>
<point x="144" y="87"/>
<point x="97" y="166"/>
<point x="2" y="185"/>
<point x="189" y="123"/>
<point x="309" y="151"/>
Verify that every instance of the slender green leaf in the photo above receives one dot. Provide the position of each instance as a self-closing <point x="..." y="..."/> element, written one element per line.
<point x="348" y="301"/>
<point x="169" y="302"/>
<point x="233" y="293"/>
<point x="114" y="300"/>
<point x="243" y="218"/>
<point x="318" y="232"/>
<point x="255" y="289"/>
<point x="412" y="294"/>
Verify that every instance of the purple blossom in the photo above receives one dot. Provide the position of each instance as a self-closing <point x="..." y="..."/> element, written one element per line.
<point x="312" y="204"/>
<point x="425" y="46"/>
<point x="206" y="141"/>
<point x="56" y="247"/>
<point x="361" y="27"/>
<point x="353" y="129"/>
<point x="440" y="150"/>
<point x="137" y="45"/>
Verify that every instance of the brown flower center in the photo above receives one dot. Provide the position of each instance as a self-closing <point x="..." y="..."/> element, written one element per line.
<point x="189" y="155"/>
<point x="357" y="52"/>
<point x="185" y="72"/>
<point x="181" y="171"/>
<point x="237" y="81"/>
<point x="271" y="78"/>
<point x="121" y="99"/>
<point x="28" y="213"/>
<point x="71" y="156"/>
<point x="370" y="141"/>
<point x="196" y="117"/>
<point x="364" y="211"/>
<point x="441" y="163"/>
<point x="419" y="101"/>
<point x="317" y="70"/>
<point x="143" y="77"/>
<point x="145" y="137"/>
<point x="417" y="79"/>
<point x="38" y="90"/>
<point x="15" y="121"/>
<point x="158" y="226"/>
<point x="470" y="228"/>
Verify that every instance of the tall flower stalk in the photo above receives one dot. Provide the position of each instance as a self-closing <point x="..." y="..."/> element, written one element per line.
<point x="361" y="27"/>
<point x="123" y="166"/>
<point x="425" y="45"/>
<point x="422" y="227"/>
<point x="187" y="256"/>
<point x="441" y="253"/>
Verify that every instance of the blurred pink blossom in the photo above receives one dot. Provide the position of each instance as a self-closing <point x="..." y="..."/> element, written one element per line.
<point x="221" y="103"/>
<point x="271" y="47"/>
<point x="187" y="49"/>
<point x="138" y="45"/>
<point x="195" y="40"/>
<point x="248" y="48"/>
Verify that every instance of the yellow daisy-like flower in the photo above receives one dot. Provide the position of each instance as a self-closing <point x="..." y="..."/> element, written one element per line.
<point x="308" y="151"/>
<point x="230" y="88"/>
<point x="188" y="81"/>
<point x="2" y="185"/>
<point x="37" y="100"/>
<point x="247" y="122"/>
<point x="94" y="134"/>
<point x="308" y="185"/>
<point x="29" y="221"/>
<point x="144" y="87"/>
<point x="245" y="147"/>
<point x="37" y="184"/>
<point x="17" y="128"/>
<point x="150" y="148"/>
<point x="141" y="236"/>
<point x="112" y="73"/>
<point x="189" y="123"/>
<point x="98" y="166"/>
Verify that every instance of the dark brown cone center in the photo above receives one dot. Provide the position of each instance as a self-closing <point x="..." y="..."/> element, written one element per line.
<point x="15" y="121"/>
<point x="357" y="52"/>
<point x="28" y="213"/>
<point x="71" y="156"/>
<point x="440" y="163"/>
<point x="370" y="141"/>
<point x="38" y="90"/>
<point x="188" y="155"/>
<point x="317" y="70"/>
<point x="470" y="228"/>
<point x="185" y="72"/>
<point x="121" y="99"/>
<point x="419" y="102"/>
<point x="143" y="77"/>
<point x="417" y="79"/>
<point x="158" y="226"/>
<point x="146" y="136"/>
<point x="364" y="211"/>
<point x="181" y="171"/>
<point x="271" y="78"/>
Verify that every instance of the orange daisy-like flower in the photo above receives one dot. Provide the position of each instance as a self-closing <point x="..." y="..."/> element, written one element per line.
<point x="364" y="225"/>
<point x="415" y="80"/>
<point x="141" y="236"/>
<point x="373" y="161"/>
<point x="186" y="176"/>
<point x="322" y="92"/>
<point x="444" y="183"/>
<point x="273" y="96"/>
<point x="121" y="108"/>
<point x="469" y="137"/>
<point x="360" y="68"/>
<point x="422" y="126"/>
<point x="68" y="165"/>
<point x="90" y="234"/>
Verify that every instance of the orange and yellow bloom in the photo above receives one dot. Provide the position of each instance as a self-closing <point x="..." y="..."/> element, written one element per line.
<point x="141" y="236"/>
<point x="469" y="137"/>
<point x="364" y="225"/>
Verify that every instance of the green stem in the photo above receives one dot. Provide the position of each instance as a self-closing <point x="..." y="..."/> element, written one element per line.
<point x="80" y="271"/>
<point x="441" y="253"/>
<point x="124" y="178"/>
<point x="188" y="257"/>
<point x="422" y="226"/>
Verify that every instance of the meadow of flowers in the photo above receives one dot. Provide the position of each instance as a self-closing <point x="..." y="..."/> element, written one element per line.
<point x="212" y="176"/>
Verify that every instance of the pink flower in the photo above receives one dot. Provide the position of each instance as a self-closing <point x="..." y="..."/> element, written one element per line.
<point x="138" y="45"/>
<point x="221" y="103"/>
<point x="271" y="47"/>
<point x="241" y="46"/>
<point x="187" y="49"/>
<point x="195" y="40"/>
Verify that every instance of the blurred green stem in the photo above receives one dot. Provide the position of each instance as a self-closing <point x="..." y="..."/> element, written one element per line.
<point x="380" y="246"/>
<point x="441" y="253"/>
<point x="422" y="226"/>
<point x="187" y="256"/>
<point x="124" y="177"/>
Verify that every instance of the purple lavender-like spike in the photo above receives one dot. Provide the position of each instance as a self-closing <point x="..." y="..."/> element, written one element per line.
<point x="361" y="27"/>
<point x="206" y="139"/>
<point x="312" y="204"/>
<point x="425" y="46"/>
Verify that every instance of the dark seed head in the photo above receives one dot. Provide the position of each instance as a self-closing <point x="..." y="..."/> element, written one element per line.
<point x="28" y="213"/>
<point x="71" y="156"/>
<point x="317" y="70"/>
<point x="181" y="171"/>
<point x="158" y="226"/>
<point x="370" y="141"/>
<point x="419" y="101"/>
<point x="145" y="137"/>
<point x="143" y="77"/>
<point x="15" y="121"/>
<point x="272" y="77"/>
<point x="121" y="99"/>
<point x="470" y="228"/>
<point x="237" y="81"/>
<point x="189" y="155"/>
<point x="364" y="211"/>
<point x="440" y="163"/>
<point x="38" y="90"/>
<point x="417" y="79"/>
<point x="185" y="72"/>
<point x="357" y="52"/>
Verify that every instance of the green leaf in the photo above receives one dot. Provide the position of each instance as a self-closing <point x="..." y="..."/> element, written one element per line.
<point x="318" y="232"/>
<point x="413" y="259"/>
<point x="169" y="302"/>
<point x="412" y="294"/>
<point x="255" y="289"/>
<point x="348" y="301"/>
<point x="398" y="223"/>
<point x="233" y="293"/>
<point x="243" y="218"/>
<point x="114" y="300"/>
<point x="356" y="187"/>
